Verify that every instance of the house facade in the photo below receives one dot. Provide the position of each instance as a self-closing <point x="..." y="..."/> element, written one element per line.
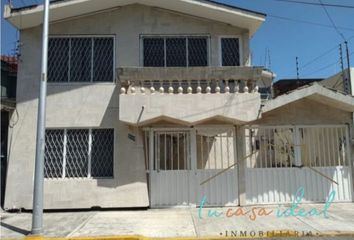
<point x="157" y="104"/>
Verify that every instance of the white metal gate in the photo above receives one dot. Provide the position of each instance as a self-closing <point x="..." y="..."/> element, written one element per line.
<point x="285" y="158"/>
<point x="170" y="165"/>
<point x="180" y="160"/>
<point x="216" y="151"/>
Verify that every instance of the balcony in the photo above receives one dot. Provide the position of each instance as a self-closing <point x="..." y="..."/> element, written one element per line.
<point x="190" y="96"/>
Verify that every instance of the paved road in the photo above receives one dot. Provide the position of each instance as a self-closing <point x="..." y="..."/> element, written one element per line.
<point x="184" y="222"/>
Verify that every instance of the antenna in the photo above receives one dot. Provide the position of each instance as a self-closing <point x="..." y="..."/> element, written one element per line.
<point x="269" y="60"/>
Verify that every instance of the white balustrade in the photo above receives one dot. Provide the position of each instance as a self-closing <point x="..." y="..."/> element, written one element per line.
<point x="211" y="86"/>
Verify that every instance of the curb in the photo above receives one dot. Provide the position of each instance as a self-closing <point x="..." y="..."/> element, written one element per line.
<point x="270" y="234"/>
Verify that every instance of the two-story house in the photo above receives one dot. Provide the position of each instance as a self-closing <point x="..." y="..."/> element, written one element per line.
<point x="155" y="103"/>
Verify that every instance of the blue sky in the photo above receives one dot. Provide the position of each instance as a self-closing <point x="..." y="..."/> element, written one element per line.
<point x="278" y="41"/>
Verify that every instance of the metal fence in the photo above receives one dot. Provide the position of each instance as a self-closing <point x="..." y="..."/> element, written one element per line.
<point x="79" y="153"/>
<point x="283" y="159"/>
<point x="282" y="146"/>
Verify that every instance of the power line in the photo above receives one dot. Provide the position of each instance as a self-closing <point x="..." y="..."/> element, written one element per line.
<point x="322" y="68"/>
<point x="330" y="18"/>
<point x="322" y="55"/>
<point x="318" y="57"/>
<point x="309" y="22"/>
<point x="316" y="4"/>
<point x="326" y="66"/>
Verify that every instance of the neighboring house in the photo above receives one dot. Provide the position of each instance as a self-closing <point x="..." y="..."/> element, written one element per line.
<point x="148" y="99"/>
<point x="8" y="80"/>
<point x="340" y="82"/>
<point x="8" y="104"/>
<point x="343" y="81"/>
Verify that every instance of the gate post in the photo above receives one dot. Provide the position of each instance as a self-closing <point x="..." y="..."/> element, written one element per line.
<point x="241" y="164"/>
<point x="193" y="168"/>
<point x="151" y="160"/>
<point x="350" y="158"/>
<point x="297" y="147"/>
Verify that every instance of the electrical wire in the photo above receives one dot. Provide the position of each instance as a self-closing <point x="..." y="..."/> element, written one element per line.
<point x="317" y="4"/>
<point x="309" y="22"/>
<point x="322" y="68"/>
<point x="322" y="55"/>
<point x="331" y="20"/>
<point x="317" y="58"/>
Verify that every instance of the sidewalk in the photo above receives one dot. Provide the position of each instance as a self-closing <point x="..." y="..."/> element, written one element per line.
<point x="182" y="222"/>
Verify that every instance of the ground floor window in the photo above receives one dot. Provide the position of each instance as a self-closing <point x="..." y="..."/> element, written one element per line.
<point x="79" y="153"/>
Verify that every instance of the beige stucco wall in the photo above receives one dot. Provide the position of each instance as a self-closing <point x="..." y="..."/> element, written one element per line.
<point x="129" y="22"/>
<point x="93" y="105"/>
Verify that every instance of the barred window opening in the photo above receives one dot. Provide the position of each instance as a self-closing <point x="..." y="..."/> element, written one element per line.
<point x="230" y="52"/>
<point x="80" y="59"/>
<point x="175" y="51"/>
<point x="79" y="153"/>
<point x="154" y="52"/>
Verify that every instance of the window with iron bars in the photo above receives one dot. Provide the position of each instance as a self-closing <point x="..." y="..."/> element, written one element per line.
<point x="79" y="153"/>
<point x="230" y="51"/>
<point x="81" y="59"/>
<point x="175" y="51"/>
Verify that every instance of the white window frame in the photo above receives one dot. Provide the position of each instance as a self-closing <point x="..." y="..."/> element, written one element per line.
<point x="88" y="177"/>
<point x="239" y="37"/>
<point x="164" y="36"/>
<point x="88" y="36"/>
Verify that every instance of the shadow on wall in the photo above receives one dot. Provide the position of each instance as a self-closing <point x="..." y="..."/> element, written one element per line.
<point x="129" y="158"/>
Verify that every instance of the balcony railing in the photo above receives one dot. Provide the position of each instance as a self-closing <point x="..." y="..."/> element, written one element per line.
<point x="190" y="96"/>
<point x="195" y="80"/>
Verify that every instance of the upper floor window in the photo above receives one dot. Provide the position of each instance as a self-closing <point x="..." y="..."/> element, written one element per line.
<point x="175" y="51"/>
<point x="81" y="59"/>
<point x="230" y="51"/>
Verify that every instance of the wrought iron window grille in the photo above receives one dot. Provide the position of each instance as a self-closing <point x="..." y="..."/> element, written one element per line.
<point x="79" y="153"/>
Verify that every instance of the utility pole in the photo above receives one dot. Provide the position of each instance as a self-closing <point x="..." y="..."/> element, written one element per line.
<point x="341" y="65"/>
<point x="348" y="83"/>
<point x="37" y="214"/>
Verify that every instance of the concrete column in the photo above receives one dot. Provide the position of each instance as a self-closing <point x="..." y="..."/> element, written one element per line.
<point x="350" y="154"/>
<point x="193" y="156"/>
<point x="151" y="159"/>
<point x="297" y="147"/>
<point x="241" y="166"/>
